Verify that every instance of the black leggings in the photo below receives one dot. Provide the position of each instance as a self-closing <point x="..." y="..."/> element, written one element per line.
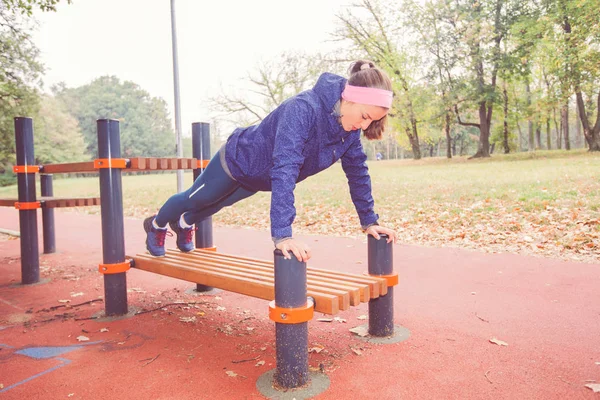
<point x="211" y="191"/>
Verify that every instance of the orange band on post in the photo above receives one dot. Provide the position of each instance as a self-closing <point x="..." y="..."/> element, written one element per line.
<point x="202" y="163"/>
<point x="392" y="279"/>
<point x="214" y="248"/>
<point x="110" y="163"/>
<point x="26" y="169"/>
<point x="114" y="268"/>
<point x="291" y="315"/>
<point x="31" y="205"/>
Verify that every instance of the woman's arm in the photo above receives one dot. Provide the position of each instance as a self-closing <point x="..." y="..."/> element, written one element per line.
<point x="292" y="133"/>
<point x="354" y="164"/>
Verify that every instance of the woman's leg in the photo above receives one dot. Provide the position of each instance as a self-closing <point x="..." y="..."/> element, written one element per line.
<point x="197" y="215"/>
<point x="212" y="186"/>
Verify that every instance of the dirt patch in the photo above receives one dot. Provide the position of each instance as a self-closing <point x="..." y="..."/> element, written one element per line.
<point x="15" y="319"/>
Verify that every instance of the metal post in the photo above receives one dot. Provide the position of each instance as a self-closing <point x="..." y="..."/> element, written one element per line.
<point x="48" y="215"/>
<point x="30" y="257"/>
<point x="113" y="236"/>
<point x="291" y="340"/>
<point x="381" y="309"/>
<point x="201" y="151"/>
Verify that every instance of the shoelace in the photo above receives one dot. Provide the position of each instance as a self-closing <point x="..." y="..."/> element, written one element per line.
<point x="189" y="232"/>
<point x="161" y="235"/>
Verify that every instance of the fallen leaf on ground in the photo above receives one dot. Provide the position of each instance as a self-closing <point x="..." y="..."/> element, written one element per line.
<point x="219" y="308"/>
<point x="361" y="331"/>
<point x="317" y="348"/>
<point x="83" y="338"/>
<point x="104" y="330"/>
<point x="357" y="352"/>
<point x="498" y="342"/>
<point x="260" y="363"/>
<point x="594" y="386"/>
<point x="340" y="320"/>
<point x="187" y="319"/>
<point x="64" y="301"/>
<point x="231" y="373"/>
<point x="76" y="294"/>
<point x="361" y="317"/>
<point x="325" y="319"/>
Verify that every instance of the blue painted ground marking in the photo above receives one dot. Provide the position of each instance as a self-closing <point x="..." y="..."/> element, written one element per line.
<point x="49" y="352"/>
<point x="63" y="361"/>
<point x="39" y="353"/>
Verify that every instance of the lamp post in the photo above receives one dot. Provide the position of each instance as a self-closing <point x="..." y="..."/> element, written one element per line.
<point x="178" y="146"/>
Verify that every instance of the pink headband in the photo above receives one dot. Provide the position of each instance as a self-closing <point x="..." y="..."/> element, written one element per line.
<point x="368" y="95"/>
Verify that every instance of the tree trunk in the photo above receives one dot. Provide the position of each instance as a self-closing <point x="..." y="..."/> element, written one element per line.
<point x="564" y="116"/>
<point x="558" y="131"/>
<point x="505" y="132"/>
<point x="580" y="139"/>
<point x="538" y="135"/>
<point x="448" y="138"/>
<point x="414" y="144"/>
<point x="483" y="147"/>
<point x="529" y="118"/>
<point x="548" y="135"/>
<point x="592" y="134"/>
<point x="387" y="150"/>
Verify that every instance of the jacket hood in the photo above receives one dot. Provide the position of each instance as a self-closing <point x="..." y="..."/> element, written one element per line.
<point x="329" y="88"/>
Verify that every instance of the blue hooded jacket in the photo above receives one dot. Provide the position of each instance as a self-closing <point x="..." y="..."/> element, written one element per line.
<point x="300" y="138"/>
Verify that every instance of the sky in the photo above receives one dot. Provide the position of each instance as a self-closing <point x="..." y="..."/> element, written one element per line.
<point x="219" y="43"/>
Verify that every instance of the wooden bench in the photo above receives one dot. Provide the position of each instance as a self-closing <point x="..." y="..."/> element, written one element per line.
<point x="332" y="291"/>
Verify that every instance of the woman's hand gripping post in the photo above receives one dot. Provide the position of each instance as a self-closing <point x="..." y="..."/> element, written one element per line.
<point x="299" y="249"/>
<point x="375" y="230"/>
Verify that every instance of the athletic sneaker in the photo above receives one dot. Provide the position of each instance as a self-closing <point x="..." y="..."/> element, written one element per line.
<point x="155" y="238"/>
<point x="185" y="236"/>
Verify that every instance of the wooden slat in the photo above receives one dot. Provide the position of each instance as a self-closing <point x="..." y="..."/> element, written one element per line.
<point x="59" y="202"/>
<point x="165" y="164"/>
<point x="86" y="166"/>
<point x="356" y="292"/>
<point x="348" y="296"/>
<point x="325" y="303"/>
<point x="8" y="202"/>
<point x="377" y="286"/>
<point x="138" y="163"/>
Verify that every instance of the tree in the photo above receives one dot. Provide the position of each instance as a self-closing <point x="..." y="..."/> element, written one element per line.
<point x="571" y="28"/>
<point x="27" y="6"/>
<point x="145" y="124"/>
<point x="371" y="28"/>
<point x="19" y="76"/>
<point x="435" y="39"/>
<point x="57" y="136"/>
<point x="269" y="85"/>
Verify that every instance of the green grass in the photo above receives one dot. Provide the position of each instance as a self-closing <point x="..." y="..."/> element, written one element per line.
<point x="422" y="199"/>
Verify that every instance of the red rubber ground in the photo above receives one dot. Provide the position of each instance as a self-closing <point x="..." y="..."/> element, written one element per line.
<point x="453" y="302"/>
